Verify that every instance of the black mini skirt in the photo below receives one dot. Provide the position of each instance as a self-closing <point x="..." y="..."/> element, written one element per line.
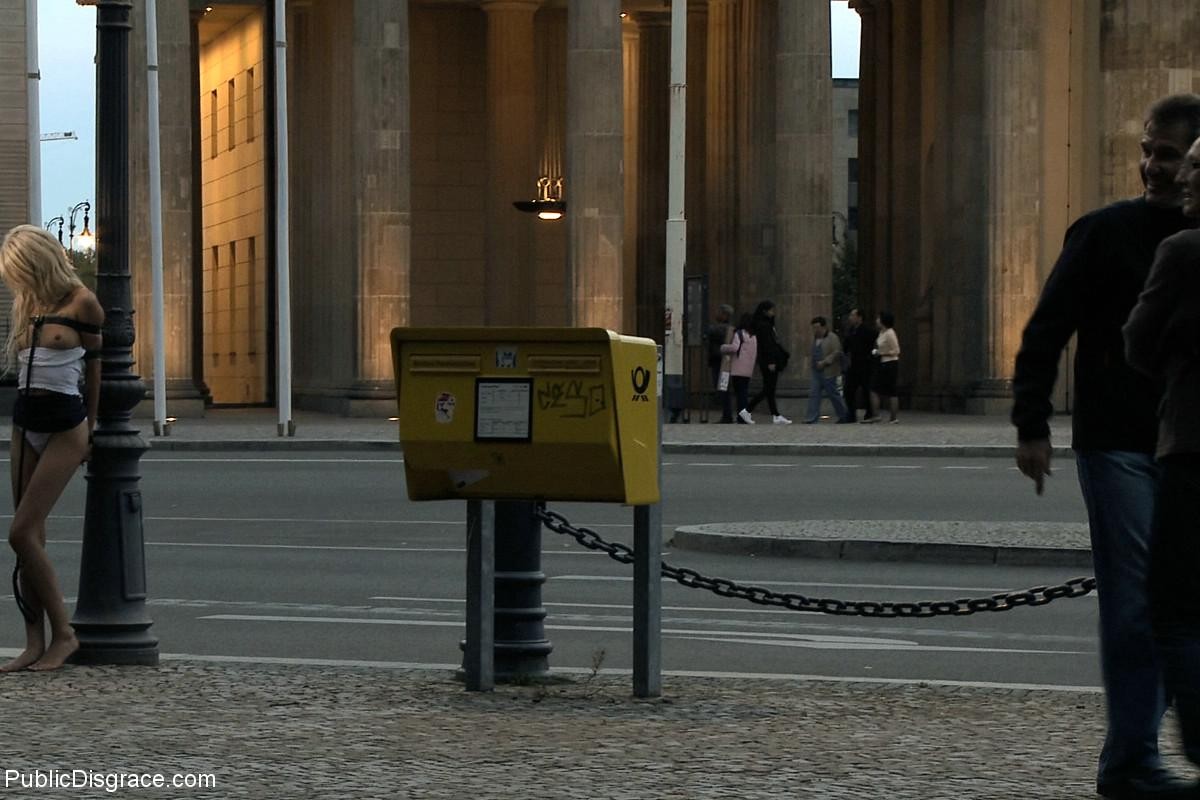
<point x="51" y="412"/>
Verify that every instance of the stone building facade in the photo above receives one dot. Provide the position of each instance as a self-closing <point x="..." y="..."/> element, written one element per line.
<point x="983" y="126"/>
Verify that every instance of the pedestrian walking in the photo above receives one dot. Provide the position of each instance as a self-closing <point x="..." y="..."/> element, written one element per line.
<point x="1093" y="286"/>
<point x="887" y="371"/>
<point x="1160" y="340"/>
<point x="772" y="359"/>
<point x="825" y="368"/>
<point x="718" y="334"/>
<point x="857" y="344"/>
<point x="55" y="344"/>
<point x="743" y="353"/>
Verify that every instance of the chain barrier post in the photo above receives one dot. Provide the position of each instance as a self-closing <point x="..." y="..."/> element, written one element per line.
<point x="478" y="649"/>
<point x="522" y="649"/>
<point x="647" y="589"/>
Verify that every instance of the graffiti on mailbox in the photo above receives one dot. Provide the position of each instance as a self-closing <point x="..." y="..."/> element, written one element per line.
<point x="572" y="399"/>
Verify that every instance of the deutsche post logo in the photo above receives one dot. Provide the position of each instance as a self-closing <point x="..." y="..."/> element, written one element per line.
<point x="641" y="381"/>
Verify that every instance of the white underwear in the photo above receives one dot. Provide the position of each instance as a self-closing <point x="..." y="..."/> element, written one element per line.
<point x="37" y="441"/>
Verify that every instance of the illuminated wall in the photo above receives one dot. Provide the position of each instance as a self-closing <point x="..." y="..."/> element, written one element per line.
<point x="232" y="157"/>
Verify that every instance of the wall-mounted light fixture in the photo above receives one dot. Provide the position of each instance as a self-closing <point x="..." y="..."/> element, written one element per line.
<point x="549" y="203"/>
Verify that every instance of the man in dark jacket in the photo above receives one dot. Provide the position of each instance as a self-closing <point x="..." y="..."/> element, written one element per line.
<point x="1104" y="262"/>
<point x="1162" y="338"/>
<point x="858" y="341"/>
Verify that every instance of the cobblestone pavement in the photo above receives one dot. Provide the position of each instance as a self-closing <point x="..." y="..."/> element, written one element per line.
<point x="341" y="732"/>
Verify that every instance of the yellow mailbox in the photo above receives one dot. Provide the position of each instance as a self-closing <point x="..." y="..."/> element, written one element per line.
<point x="527" y="413"/>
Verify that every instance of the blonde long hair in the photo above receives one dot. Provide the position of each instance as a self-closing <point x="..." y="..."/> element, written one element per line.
<point x="35" y="267"/>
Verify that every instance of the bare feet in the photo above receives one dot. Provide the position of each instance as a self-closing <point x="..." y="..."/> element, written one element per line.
<point x="27" y="658"/>
<point x="56" y="654"/>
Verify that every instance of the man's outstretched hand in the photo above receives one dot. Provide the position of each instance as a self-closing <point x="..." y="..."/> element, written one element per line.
<point x="1033" y="459"/>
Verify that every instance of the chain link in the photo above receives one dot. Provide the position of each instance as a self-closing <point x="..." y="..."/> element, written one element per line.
<point x="1037" y="596"/>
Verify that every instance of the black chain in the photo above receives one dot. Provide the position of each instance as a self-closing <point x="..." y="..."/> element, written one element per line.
<point x="1037" y="596"/>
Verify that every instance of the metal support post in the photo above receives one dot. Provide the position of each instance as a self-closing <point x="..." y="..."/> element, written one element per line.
<point x="478" y="661"/>
<point x="110" y="616"/>
<point x="522" y="649"/>
<point x="647" y="591"/>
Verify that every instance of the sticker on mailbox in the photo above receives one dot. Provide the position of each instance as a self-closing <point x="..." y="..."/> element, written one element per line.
<point x="506" y="358"/>
<point x="443" y="408"/>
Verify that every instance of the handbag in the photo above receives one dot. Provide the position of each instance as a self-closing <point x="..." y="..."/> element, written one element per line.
<point x="723" y="381"/>
<point x="781" y="359"/>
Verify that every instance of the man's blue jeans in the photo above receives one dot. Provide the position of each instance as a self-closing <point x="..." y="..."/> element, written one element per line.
<point x="823" y="385"/>
<point x="1119" y="489"/>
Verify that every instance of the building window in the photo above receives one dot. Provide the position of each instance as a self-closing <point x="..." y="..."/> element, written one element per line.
<point x="852" y="218"/>
<point x="852" y="170"/>
<point x="852" y="123"/>
<point x="250" y="105"/>
<point x="212" y="123"/>
<point x="232" y="105"/>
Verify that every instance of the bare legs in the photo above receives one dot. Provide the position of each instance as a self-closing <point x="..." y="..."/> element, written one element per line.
<point x="45" y="478"/>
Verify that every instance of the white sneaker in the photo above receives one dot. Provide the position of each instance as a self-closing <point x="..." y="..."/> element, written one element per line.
<point x="780" y="419"/>
<point x="745" y="417"/>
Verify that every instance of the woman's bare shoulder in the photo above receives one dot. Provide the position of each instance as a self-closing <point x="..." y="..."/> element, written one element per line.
<point x="85" y="307"/>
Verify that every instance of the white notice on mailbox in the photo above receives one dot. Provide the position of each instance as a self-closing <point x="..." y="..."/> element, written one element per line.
<point x="503" y="409"/>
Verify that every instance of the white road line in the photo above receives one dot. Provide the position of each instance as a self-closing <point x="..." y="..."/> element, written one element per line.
<point x="911" y="647"/>
<point x="613" y="672"/>
<point x="811" y="641"/>
<point x="615" y="606"/>
<point x="772" y="466"/>
<point x="803" y="584"/>
<point x="966" y="468"/>
<point x="460" y="523"/>
<point x="709" y="464"/>
<point x="898" y="466"/>
<point x="347" y="548"/>
<point x="835" y="466"/>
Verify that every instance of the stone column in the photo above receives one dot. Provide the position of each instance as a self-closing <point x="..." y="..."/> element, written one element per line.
<point x="176" y="62"/>
<point x="14" y="133"/>
<point x="654" y="93"/>
<point x="631" y="55"/>
<point x="1147" y="51"/>
<point x="1012" y="149"/>
<point x="756" y="277"/>
<point x="804" y="149"/>
<point x="511" y="105"/>
<point x="595" y="150"/>
<point x="695" y="200"/>
<point x="720" y="228"/>
<point x="383" y="207"/>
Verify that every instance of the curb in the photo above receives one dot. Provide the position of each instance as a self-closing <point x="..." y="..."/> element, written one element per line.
<point x="691" y="538"/>
<point x="838" y="449"/>
<point x="167" y="444"/>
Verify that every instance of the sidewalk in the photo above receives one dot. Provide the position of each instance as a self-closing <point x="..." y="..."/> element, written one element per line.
<point x="313" y="732"/>
<point x="917" y="434"/>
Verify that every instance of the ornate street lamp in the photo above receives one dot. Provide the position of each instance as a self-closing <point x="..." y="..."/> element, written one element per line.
<point x="110" y="616"/>
<point x="85" y="241"/>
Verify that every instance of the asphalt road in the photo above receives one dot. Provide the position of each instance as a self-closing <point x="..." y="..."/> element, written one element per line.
<point x="315" y="556"/>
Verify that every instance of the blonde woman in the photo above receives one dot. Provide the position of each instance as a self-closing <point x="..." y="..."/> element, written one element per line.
<point x="54" y="346"/>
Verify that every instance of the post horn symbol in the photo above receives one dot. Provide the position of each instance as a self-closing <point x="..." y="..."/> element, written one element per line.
<point x="641" y="380"/>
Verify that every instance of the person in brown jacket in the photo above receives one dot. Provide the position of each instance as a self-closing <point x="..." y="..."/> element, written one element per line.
<point x="826" y="367"/>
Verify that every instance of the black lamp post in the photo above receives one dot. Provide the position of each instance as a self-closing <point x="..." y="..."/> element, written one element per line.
<point x="56" y="221"/>
<point x="110" y="616"/>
